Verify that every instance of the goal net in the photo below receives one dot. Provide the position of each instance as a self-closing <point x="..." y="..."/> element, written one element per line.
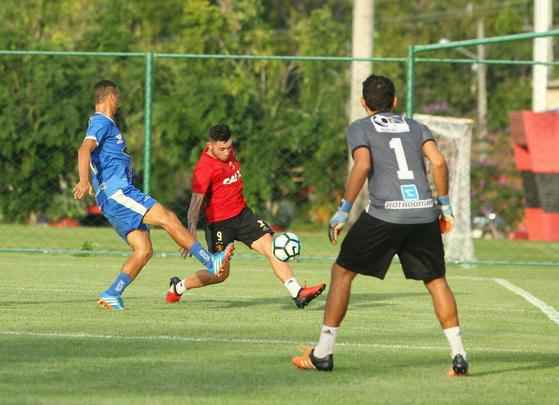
<point x="454" y="138"/>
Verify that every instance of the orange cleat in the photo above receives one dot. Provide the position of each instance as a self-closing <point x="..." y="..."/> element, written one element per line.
<point x="110" y="302"/>
<point x="307" y="294"/>
<point x="307" y="361"/>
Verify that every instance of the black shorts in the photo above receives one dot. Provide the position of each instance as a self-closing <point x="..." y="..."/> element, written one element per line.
<point x="245" y="227"/>
<point x="370" y="245"/>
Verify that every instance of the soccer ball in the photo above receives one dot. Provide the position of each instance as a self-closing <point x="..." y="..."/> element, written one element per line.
<point x="286" y="246"/>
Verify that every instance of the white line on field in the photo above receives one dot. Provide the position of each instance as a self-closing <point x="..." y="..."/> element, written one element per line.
<point x="211" y="339"/>
<point x="548" y="310"/>
<point x="468" y="278"/>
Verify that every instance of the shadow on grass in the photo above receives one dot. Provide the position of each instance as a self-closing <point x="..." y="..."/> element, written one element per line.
<point x="361" y="300"/>
<point x="15" y="304"/>
<point x="357" y="300"/>
<point x="508" y="363"/>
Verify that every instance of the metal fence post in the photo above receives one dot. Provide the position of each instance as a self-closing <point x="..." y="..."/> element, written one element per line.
<point x="148" y="87"/>
<point x="410" y="81"/>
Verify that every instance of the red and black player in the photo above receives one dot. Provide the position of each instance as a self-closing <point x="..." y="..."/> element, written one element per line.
<point x="217" y="179"/>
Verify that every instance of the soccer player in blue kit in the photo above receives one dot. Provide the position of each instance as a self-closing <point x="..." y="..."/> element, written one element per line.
<point x="401" y="218"/>
<point x="103" y="151"/>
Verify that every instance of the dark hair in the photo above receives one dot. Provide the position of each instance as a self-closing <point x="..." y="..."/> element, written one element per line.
<point x="219" y="132"/>
<point x="103" y="88"/>
<point x="379" y="93"/>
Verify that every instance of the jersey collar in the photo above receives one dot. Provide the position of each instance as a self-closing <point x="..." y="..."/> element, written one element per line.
<point x="104" y="115"/>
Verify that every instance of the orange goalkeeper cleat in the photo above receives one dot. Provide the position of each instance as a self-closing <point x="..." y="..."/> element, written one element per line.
<point x="307" y="361"/>
<point x="307" y="294"/>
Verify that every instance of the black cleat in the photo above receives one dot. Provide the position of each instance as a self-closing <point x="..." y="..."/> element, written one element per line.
<point x="173" y="282"/>
<point x="307" y="361"/>
<point x="459" y="366"/>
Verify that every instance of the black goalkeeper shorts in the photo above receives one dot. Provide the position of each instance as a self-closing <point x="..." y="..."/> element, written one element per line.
<point x="245" y="227"/>
<point x="371" y="243"/>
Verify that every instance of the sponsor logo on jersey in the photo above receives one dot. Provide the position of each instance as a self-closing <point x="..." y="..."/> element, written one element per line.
<point x="409" y="192"/>
<point x="119" y="139"/>
<point x="233" y="179"/>
<point x="392" y="124"/>
<point x="405" y="205"/>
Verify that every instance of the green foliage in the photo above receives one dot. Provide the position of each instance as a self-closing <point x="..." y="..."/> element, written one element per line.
<point x="289" y="118"/>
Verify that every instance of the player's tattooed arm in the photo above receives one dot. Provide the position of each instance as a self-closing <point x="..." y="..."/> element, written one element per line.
<point x="192" y="218"/>
<point x="194" y="212"/>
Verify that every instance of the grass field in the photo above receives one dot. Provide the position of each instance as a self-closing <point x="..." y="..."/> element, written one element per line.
<point x="232" y="343"/>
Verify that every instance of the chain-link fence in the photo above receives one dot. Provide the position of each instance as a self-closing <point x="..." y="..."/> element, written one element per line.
<point x="288" y="115"/>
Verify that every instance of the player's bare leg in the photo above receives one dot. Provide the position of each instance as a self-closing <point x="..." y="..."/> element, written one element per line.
<point x="142" y="251"/>
<point x="447" y="314"/>
<point x="321" y="356"/>
<point x="201" y="278"/>
<point x="140" y="243"/>
<point x="443" y="302"/>
<point x="281" y="269"/>
<point x="161" y="216"/>
<point x="338" y="296"/>
<point x="302" y="296"/>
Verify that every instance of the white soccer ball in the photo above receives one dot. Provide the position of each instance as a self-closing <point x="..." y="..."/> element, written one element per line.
<point x="286" y="246"/>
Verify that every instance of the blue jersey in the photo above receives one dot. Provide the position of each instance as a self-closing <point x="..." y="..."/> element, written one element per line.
<point x="111" y="165"/>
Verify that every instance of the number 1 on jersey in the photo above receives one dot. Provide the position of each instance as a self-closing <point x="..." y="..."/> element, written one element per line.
<point x="404" y="173"/>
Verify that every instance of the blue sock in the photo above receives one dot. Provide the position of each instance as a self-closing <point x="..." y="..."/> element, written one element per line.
<point x="119" y="285"/>
<point x="202" y="255"/>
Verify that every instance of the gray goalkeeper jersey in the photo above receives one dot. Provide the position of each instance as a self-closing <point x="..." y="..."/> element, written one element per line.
<point x="399" y="191"/>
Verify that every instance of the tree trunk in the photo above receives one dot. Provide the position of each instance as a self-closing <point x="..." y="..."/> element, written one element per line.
<point x="362" y="47"/>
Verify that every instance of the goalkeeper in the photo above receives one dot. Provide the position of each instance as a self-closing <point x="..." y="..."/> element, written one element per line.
<point x="401" y="219"/>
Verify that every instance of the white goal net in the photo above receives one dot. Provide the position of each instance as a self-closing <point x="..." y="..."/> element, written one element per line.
<point x="454" y="138"/>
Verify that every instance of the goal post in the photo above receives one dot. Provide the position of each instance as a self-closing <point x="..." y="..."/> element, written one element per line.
<point x="454" y="138"/>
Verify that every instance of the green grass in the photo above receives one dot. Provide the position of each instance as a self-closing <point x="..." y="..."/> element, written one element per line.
<point x="232" y="343"/>
<point x="104" y="239"/>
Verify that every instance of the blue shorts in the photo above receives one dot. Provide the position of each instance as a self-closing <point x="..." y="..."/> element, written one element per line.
<point x="125" y="209"/>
